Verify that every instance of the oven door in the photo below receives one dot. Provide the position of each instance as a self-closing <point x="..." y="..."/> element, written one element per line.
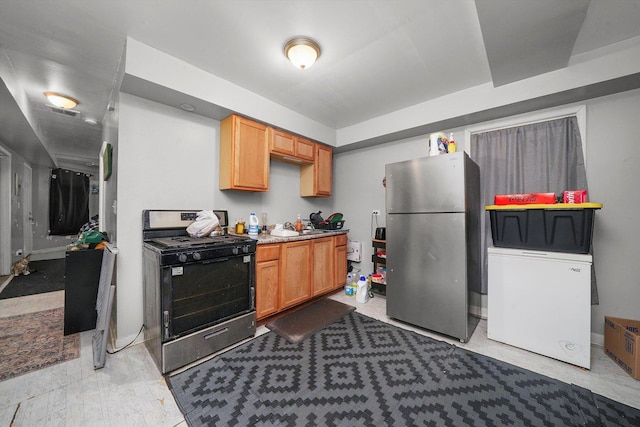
<point x="201" y="294"/>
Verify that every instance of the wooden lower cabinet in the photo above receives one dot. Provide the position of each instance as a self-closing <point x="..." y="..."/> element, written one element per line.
<point x="267" y="274"/>
<point x="322" y="253"/>
<point x="292" y="273"/>
<point x="267" y="280"/>
<point x="295" y="273"/>
<point x="340" y="263"/>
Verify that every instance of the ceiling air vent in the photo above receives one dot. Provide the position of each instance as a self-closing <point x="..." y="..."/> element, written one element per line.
<point x="63" y="111"/>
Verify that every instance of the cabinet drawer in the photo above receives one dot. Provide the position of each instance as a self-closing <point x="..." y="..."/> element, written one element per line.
<point x="341" y="239"/>
<point x="267" y="252"/>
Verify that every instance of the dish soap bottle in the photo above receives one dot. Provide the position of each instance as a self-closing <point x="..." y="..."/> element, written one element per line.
<point x="451" y="148"/>
<point x="299" y="224"/>
<point x="253" y="224"/>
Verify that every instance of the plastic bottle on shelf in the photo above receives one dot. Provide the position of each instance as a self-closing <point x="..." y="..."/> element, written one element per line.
<point x="348" y="287"/>
<point x="362" y="295"/>
<point x="253" y="224"/>
<point x="299" y="224"/>
<point x="354" y="284"/>
<point x="451" y="148"/>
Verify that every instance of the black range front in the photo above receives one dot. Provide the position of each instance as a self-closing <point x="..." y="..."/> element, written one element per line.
<point x="199" y="293"/>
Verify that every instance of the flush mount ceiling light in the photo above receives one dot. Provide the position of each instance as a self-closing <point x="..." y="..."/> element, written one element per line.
<point x="90" y="121"/>
<point x="60" y="100"/>
<point x="302" y="51"/>
<point x="187" y="107"/>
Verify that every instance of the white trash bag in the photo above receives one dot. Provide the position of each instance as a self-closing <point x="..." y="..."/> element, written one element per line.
<point x="205" y="223"/>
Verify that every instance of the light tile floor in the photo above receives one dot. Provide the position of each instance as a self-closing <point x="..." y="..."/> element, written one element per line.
<point x="129" y="390"/>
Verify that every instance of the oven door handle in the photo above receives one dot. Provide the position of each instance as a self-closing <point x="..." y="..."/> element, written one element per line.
<point x="210" y="261"/>
<point x="216" y="333"/>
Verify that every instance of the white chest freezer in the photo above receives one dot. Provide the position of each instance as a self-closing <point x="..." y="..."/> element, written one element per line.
<point x="541" y="302"/>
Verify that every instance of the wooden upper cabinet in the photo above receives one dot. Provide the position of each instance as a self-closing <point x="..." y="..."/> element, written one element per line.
<point x="290" y="148"/>
<point x="305" y="149"/>
<point x="315" y="179"/>
<point x="281" y="142"/>
<point x="244" y="154"/>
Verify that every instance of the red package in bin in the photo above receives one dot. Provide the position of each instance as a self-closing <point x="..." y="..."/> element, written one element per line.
<point x="525" y="199"/>
<point x="574" y="196"/>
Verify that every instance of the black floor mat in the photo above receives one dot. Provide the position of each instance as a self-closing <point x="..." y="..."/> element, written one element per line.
<point x="359" y="371"/>
<point x="300" y="324"/>
<point x="47" y="276"/>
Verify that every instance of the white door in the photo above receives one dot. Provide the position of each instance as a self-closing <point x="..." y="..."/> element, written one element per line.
<point x="27" y="210"/>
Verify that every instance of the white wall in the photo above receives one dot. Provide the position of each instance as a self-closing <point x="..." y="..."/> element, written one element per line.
<point x="613" y="173"/>
<point x="168" y="159"/>
<point x="151" y="65"/>
<point x="358" y="188"/>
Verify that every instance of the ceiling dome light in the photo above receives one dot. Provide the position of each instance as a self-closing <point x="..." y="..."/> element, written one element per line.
<point x="61" y="101"/>
<point x="90" y="121"/>
<point x="302" y="51"/>
<point x="187" y="107"/>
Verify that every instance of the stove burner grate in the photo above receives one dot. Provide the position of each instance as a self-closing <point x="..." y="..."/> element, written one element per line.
<point x="193" y="242"/>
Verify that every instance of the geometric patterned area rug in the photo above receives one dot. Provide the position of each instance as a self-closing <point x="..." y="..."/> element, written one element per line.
<point x="362" y="372"/>
<point x="34" y="341"/>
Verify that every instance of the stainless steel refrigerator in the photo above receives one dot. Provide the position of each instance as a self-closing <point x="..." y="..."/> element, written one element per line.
<point x="433" y="243"/>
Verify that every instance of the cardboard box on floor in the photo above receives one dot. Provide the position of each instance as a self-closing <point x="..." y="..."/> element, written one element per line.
<point x="622" y="343"/>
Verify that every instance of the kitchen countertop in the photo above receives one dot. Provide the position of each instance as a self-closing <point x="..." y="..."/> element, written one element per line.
<point x="263" y="239"/>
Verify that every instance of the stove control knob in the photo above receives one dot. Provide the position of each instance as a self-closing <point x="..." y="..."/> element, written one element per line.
<point x="245" y="249"/>
<point x="235" y="250"/>
<point x="182" y="257"/>
<point x="197" y="256"/>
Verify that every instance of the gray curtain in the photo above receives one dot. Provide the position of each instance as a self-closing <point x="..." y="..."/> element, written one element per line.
<point x="543" y="157"/>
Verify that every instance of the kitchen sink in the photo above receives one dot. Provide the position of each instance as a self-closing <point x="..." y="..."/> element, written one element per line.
<point x="284" y="233"/>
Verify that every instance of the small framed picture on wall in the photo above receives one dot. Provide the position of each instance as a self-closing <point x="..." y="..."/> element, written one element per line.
<point x="106" y="161"/>
<point x="17" y="185"/>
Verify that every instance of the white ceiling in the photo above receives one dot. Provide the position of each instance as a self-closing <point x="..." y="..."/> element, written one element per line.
<point x="377" y="56"/>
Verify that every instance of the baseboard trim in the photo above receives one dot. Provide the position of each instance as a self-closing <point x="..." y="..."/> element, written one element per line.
<point x="597" y="339"/>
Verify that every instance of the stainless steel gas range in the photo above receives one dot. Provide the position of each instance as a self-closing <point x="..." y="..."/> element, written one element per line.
<point x="199" y="292"/>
